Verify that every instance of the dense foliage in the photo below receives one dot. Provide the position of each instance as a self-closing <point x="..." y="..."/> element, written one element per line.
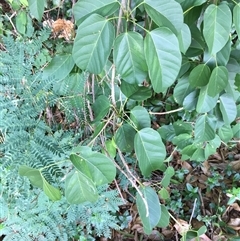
<point x="102" y="113"/>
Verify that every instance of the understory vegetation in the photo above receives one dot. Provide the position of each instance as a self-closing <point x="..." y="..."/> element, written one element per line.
<point x="119" y="120"/>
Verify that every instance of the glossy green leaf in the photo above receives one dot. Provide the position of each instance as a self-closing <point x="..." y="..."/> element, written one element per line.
<point x="218" y="80"/>
<point x="222" y="57"/>
<point x="150" y="150"/>
<point x="135" y="92"/>
<point x="205" y="102"/>
<point x="140" y="117"/>
<point x="162" y="14"/>
<point x="199" y="76"/>
<point x="182" y="89"/>
<point x="128" y="56"/>
<point x="96" y="166"/>
<point x="167" y="176"/>
<point x="124" y="138"/>
<point x="101" y="107"/>
<point x="217" y="26"/>
<point x="228" y="108"/>
<point x="93" y="43"/>
<point x="162" y="52"/>
<point x="165" y="217"/>
<point x="197" y="45"/>
<point x="79" y="188"/>
<point x="210" y="147"/>
<point x="150" y="210"/>
<point x="52" y="192"/>
<point x="59" y="67"/>
<point x="236" y="130"/>
<point x="34" y="175"/>
<point x="36" y="8"/>
<point x="83" y="9"/>
<point x="205" y="128"/>
<point x="184" y="38"/>
<point x="111" y="148"/>
<point x="237" y="82"/>
<point x="236" y="18"/>
<point x="190" y="101"/>
<point x="167" y="132"/>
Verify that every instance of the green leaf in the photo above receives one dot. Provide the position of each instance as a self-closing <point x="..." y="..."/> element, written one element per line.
<point x="53" y="193"/>
<point x="211" y="147"/>
<point x="236" y="18"/>
<point x="93" y="43"/>
<point x="217" y="26"/>
<point x="162" y="55"/>
<point x="167" y="176"/>
<point x="59" y="67"/>
<point x="140" y="117"/>
<point x="129" y="57"/>
<point x="160" y="12"/>
<point x="205" y="128"/>
<point x="164" y="194"/>
<point x="225" y="133"/>
<point x="218" y="80"/>
<point x="190" y="100"/>
<point x="79" y="188"/>
<point x="184" y="38"/>
<point x="37" y="8"/>
<point x="111" y="148"/>
<point x="135" y="92"/>
<point x="21" y="22"/>
<point x="165" y="217"/>
<point x="124" y="138"/>
<point x="199" y="76"/>
<point x="228" y="108"/>
<point x="182" y="89"/>
<point x="223" y="55"/>
<point x="237" y="82"/>
<point x="205" y="102"/>
<point x="236" y="130"/>
<point x="83" y="9"/>
<point x="167" y="132"/>
<point x="150" y="150"/>
<point x="150" y="210"/>
<point x="96" y="166"/>
<point x="101" y="107"/>
<point x="34" y="175"/>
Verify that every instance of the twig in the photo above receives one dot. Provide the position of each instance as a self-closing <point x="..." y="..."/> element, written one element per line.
<point x="194" y="207"/>
<point x="123" y="7"/>
<point x="133" y="183"/>
<point x="112" y="85"/>
<point x="167" y="112"/>
<point x="202" y="203"/>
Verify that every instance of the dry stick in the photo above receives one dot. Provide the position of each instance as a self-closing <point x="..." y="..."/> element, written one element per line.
<point x="202" y="203"/>
<point x="194" y="207"/>
<point x="133" y="184"/>
<point x="123" y="6"/>
<point x="112" y="85"/>
<point x="167" y="112"/>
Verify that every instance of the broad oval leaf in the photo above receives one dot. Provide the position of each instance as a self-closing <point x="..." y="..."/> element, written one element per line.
<point x="93" y="43"/>
<point x="33" y="174"/>
<point x="217" y="26"/>
<point x="225" y="133"/>
<point x="52" y="192"/>
<point x="165" y="217"/>
<point x="182" y="89"/>
<point x="184" y="38"/>
<point x="163" y="15"/>
<point x="205" y="102"/>
<point x="199" y="76"/>
<point x="83" y="9"/>
<point x="96" y="166"/>
<point x="228" y="108"/>
<point x="163" y="58"/>
<point x="205" y="128"/>
<point x="150" y="150"/>
<point x="135" y="92"/>
<point x="124" y="138"/>
<point x="101" y="107"/>
<point x="79" y="188"/>
<point x="140" y="117"/>
<point x="236" y="18"/>
<point x="59" y="67"/>
<point x="36" y="8"/>
<point x="218" y="80"/>
<point x="149" y="209"/>
<point x="129" y="57"/>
